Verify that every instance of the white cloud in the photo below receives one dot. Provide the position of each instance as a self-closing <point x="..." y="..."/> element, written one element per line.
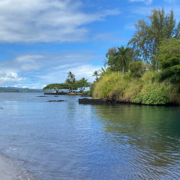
<point x="37" y="70"/>
<point x="31" y="21"/>
<point x="9" y="77"/>
<point x="145" y="1"/>
<point x="79" y="71"/>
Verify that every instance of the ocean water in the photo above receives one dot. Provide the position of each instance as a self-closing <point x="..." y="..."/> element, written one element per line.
<point x="69" y="141"/>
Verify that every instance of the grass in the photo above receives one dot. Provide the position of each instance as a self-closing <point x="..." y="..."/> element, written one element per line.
<point x="144" y="90"/>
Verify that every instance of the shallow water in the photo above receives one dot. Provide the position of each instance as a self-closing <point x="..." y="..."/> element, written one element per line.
<point x="65" y="140"/>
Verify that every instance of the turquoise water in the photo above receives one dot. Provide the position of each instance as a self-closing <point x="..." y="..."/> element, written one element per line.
<point x="68" y="141"/>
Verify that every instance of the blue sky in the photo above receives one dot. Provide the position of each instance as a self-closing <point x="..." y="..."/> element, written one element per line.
<point x="42" y="40"/>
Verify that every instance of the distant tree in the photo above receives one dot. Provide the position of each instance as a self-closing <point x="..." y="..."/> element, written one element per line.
<point x="56" y="87"/>
<point x="96" y="74"/>
<point x="71" y="76"/>
<point x="149" y="35"/>
<point x="82" y="84"/>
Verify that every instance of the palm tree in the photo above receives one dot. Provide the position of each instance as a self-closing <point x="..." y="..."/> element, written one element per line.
<point x="71" y="81"/>
<point x="122" y="57"/>
<point x="71" y="75"/>
<point x="96" y="75"/>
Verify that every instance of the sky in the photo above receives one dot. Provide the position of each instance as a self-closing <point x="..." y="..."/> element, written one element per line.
<point x="42" y="40"/>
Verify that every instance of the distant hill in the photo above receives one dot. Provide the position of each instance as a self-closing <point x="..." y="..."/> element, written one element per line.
<point x="15" y="89"/>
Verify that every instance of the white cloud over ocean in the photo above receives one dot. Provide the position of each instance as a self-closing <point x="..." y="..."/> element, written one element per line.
<point x="35" y="70"/>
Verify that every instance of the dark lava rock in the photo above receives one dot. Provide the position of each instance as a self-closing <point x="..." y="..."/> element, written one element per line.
<point x="57" y="101"/>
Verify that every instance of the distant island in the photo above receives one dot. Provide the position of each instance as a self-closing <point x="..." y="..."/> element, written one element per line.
<point x="15" y="89"/>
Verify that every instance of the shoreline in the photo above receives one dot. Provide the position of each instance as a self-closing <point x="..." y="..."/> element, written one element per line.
<point x="10" y="171"/>
<point x="56" y="94"/>
<point x="106" y="101"/>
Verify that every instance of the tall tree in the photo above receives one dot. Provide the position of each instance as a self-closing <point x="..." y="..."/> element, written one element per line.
<point x="149" y="34"/>
<point x="71" y="76"/>
<point x="71" y="81"/>
<point x="122" y="57"/>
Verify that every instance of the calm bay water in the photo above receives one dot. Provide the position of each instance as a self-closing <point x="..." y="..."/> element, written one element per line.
<point x="68" y="141"/>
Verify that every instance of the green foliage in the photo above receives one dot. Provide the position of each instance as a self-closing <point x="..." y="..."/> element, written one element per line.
<point x="82" y="84"/>
<point x="96" y="74"/>
<point x="170" y="69"/>
<point x="137" y="69"/>
<point x="167" y="49"/>
<point x="104" y="87"/>
<point x="56" y="87"/>
<point x="154" y="97"/>
<point x="70" y="84"/>
<point x="120" y="60"/>
<point x="91" y="89"/>
<point x="144" y="90"/>
<point x="156" y="42"/>
<point x="149" y="34"/>
<point x="111" y="52"/>
<point x="87" y="93"/>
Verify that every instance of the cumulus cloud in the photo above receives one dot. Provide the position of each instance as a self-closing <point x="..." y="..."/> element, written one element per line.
<point x="31" y="21"/>
<point x="9" y="77"/>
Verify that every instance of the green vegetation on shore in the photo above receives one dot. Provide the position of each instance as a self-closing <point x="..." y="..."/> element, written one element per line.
<point x="69" y="85"/>
<point x="145" y="90"/>
<point x="147" y="70"/>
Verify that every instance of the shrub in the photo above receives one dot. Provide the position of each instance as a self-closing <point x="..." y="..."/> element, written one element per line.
<point x="170" y="69"/>
<point x="137" y="69"/>
<point x="155" y="97"/>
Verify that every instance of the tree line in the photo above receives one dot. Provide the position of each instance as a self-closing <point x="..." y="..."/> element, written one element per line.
<point x="155" y="46"/>
<point x="69" y="85"/>
<point x="147" y="69"/>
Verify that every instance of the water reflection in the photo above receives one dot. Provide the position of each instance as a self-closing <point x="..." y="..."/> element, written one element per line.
<point x="148" y="138"/>
<point x="71" y="141"/>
